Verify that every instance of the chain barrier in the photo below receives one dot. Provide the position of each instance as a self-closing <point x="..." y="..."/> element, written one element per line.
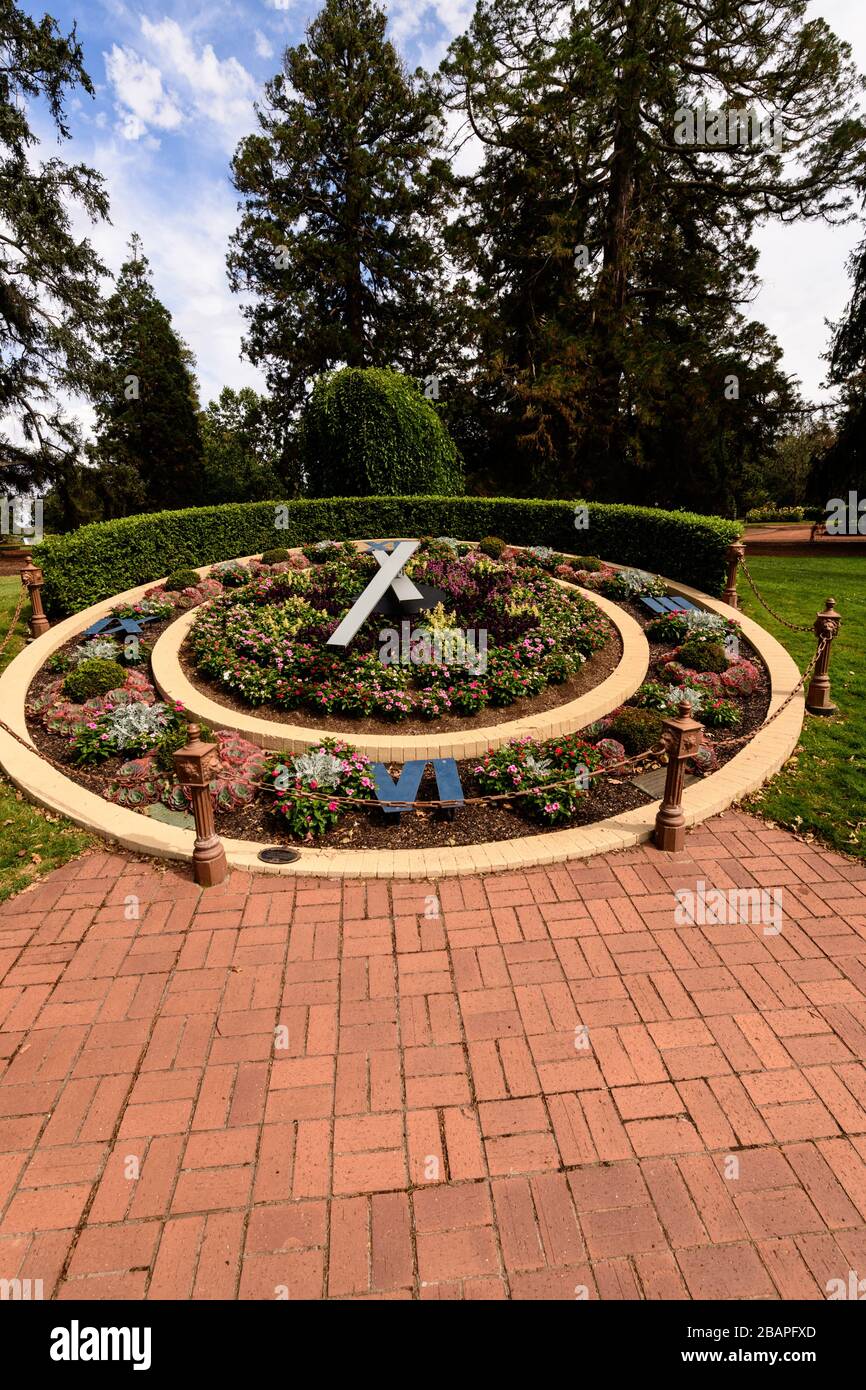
<point x="20" y="604"/>
<point x="792" y="627"/>
<point x="637" y="758"/>
<point x="744" y="738"/>
<point x="649" y="756"/>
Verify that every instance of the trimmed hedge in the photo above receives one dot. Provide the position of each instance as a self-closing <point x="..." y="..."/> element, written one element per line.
<point x="98" y="561"/>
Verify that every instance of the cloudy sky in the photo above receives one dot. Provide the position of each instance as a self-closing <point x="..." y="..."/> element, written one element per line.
<point x="176" y="80"/>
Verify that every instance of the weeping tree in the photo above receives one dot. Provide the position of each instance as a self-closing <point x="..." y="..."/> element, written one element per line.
<point x="627" y="150"/>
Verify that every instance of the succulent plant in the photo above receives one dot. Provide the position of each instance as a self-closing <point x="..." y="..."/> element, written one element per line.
<point x="537" y="767"/>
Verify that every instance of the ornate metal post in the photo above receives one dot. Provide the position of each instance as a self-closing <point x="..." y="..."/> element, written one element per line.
<point x="682" y="738"/>
<point x="192" y="765"/>
<point x="826" y="626"/>
<point x="736" y="553"/>
<point x="33" y="578"/>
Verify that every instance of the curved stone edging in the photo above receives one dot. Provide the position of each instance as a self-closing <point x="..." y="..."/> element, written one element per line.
<point x="767" y="751"/>
<point x="172" y="683"/>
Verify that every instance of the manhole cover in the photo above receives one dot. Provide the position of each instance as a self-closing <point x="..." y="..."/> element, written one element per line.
<point x="278" y="855"/>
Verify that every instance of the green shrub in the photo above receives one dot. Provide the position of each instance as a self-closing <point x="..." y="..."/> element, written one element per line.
<point x="636" y="729"/>
<point x="492" y="546"/>
<point x="703" y="656"/>
<point x="107" y="558"/>
<point x="275" y="557"/>
<point x="586" y="562"/>
<point x="93" y="678"/>
<point x="773" y="513"/>
<point x="368" y="430"/>
<point x="181" y="579"/>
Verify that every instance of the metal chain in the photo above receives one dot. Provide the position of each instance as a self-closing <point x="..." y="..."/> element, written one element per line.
<point x="792" y="627"/>
<point x="46" y="757"/>
<point x="743" y="738"/>
<point x="358" y="801"/>
<point x="308" y="794"/>
<point x="606" y="770"/>
<point x="19" y="606"/>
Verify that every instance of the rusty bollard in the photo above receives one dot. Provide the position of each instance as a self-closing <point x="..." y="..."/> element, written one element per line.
<point x="826" y="626"/>
<point x="682" y="738"/>
<point x="33" y="578"/>
<point x="192" y="764"/>
<point x="736" y="553"/>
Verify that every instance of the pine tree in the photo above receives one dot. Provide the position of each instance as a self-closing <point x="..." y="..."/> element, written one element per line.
<point x="841" y="468"/>
<point x="608" y="228"/>
<point x="147" y="429"/>
<point x="343" y="204"/>
<point x="49" y="277"/>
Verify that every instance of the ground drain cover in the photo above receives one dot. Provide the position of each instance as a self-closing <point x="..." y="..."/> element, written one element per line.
<point x="278" y="855"/>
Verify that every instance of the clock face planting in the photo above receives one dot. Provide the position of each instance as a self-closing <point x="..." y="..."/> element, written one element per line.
<point x="502" y="631"/>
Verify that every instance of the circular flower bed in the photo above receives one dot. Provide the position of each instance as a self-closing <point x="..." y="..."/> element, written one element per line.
<point x="93" y="708"/>
<point x="503" y="630"/>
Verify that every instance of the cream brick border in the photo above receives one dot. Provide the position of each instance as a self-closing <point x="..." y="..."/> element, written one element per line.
<point x="615" y="689"/>
<point x="760" y="759"/>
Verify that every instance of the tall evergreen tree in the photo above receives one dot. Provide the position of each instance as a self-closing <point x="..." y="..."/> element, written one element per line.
<point x="841" y="468"/>
<point x="609" y="224"/>
<point x="147" y="429"/>
<point x="49" y="277"/>
<point x="343" y="206"/>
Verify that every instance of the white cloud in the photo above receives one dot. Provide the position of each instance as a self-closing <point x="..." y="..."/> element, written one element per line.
<point x="185" y="238"/>
<point x="142" y="101"/>
<point x="219" y="90"/>
<point x="176" y="82"/>
<point x="264" y="47"/>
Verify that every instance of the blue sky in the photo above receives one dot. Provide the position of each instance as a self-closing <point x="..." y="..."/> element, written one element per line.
<point x="176" y="81"/>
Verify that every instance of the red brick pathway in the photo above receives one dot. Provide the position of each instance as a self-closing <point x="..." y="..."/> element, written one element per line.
<point x="322" y="1089"/>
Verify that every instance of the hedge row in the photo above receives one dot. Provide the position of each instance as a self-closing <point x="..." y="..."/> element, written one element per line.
<point x="101" y="560"/>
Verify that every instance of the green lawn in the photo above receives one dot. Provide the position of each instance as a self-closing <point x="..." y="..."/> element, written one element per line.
<point x="32" y="842"/>
<point x="822" y="790"/>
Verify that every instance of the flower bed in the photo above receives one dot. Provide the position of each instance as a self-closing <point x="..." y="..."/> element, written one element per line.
<point x="94" y="710"/>
<point x="503" y="632"/>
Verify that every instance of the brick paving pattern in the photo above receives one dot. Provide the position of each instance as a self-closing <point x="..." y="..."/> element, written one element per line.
<point x="322" y="1089"/>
